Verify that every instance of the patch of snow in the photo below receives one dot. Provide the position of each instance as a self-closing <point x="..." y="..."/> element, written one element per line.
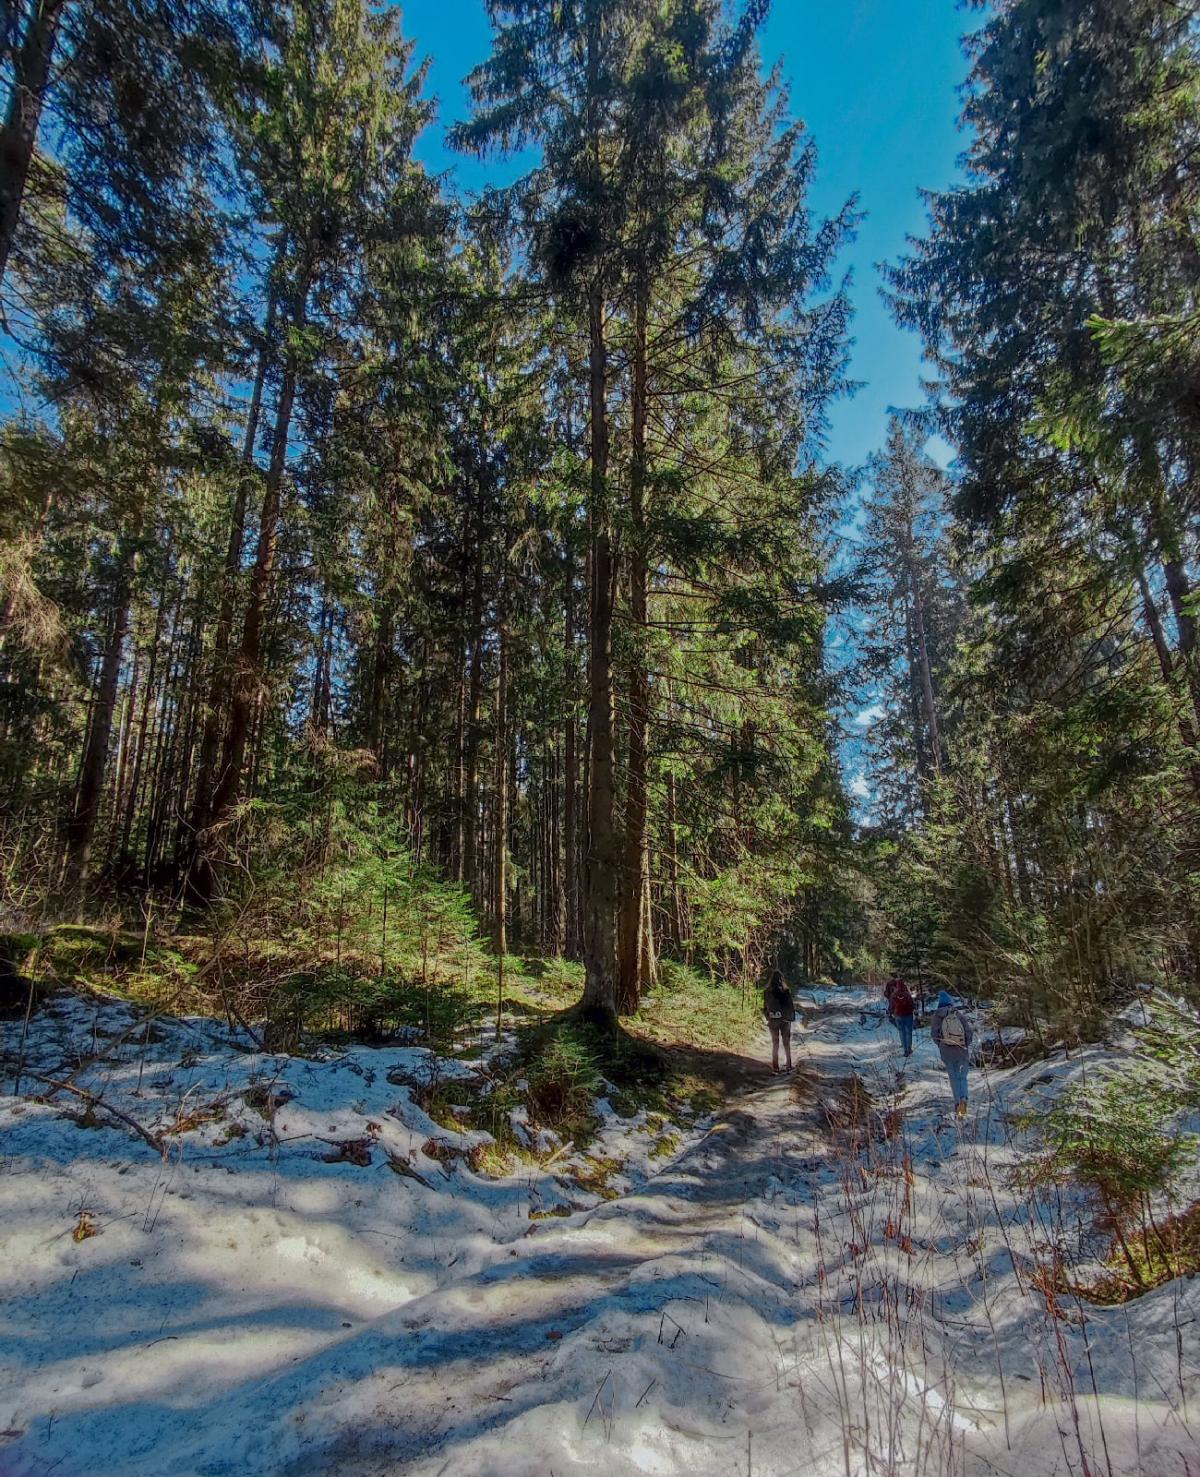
<point x="768" y="1299"/>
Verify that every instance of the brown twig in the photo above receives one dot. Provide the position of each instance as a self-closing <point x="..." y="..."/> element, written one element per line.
<point x="155" y="1142"/>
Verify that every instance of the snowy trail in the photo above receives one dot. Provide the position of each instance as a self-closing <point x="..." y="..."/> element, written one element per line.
<point x="785" y="1297"/>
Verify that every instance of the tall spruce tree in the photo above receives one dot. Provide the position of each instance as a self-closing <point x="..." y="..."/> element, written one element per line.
<point x="1050" y="289"/>
<point x="109" y="110"/>
<point x="915" y="608"/>
<point x="668" y="207"/>
<point x="326" y="149"/>
<point x="496" y="533"/>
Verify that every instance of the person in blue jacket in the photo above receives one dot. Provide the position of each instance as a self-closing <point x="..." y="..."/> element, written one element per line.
<point x="952" y="1033"/>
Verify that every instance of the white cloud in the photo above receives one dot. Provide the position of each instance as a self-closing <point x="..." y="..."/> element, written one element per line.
<point x="868" y="716"/>
<point x="859" y="787"/>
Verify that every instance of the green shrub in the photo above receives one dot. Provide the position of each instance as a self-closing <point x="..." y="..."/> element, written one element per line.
<point x="563" y="1082"/>
<point x="560" y="980"/>
<point x="1116" y="1135"/>
<point x="688" y="1005"/>
<point x="1114" y="1138"/>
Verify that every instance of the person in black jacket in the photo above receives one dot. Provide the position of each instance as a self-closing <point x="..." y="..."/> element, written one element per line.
<point x="779" y="1011"/>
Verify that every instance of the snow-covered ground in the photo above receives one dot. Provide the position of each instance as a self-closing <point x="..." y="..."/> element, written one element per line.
<point x="270" y="1297"/>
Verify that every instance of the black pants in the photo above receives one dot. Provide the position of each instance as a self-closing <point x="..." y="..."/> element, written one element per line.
<point x="780" y="1031"/>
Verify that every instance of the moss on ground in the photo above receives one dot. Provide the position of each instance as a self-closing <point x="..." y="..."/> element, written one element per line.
<point x="556" y="1212"/>
<point x="665" y="1146"/>
<point x="593" y="1172"/>
<point x="691" y="1007"/>
<point x="151" y="972"/>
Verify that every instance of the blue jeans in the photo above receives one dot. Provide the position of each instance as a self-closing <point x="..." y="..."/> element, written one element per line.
<point x="904" y="1024"/>
<point x="956" y="1070"/>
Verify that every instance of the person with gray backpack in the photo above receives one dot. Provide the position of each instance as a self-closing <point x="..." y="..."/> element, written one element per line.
<point x="952" y="1033"/>
<point x="779" y="1011"/>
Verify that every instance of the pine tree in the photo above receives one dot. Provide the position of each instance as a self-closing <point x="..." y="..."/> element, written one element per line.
<point x="915" y="615"/>
<point x="130" y="86"/>
<point x="325" y="153"/>
<point x="668" y="215"/>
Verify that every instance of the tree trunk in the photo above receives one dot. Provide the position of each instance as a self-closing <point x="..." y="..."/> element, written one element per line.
<point x="322" y="695"/>
<point x="248" y="677"/>
<point x="602" y="869"/>
<point x="18" y="138"/>
<point x="458" y="819"/>
<point x="81" y="827"/>
<point x="500" y="929"/>
<point x="633" y="953"/>
<point x="647" y="952"/>
<point x="1165" y="530"/>
<point x="1154" y="623"/>
<point x="164" y="786"/>
<point x="139" y="755"/>
<point x="380" y="670"/>
<point x="124" y="744"/>
<point x="570" y="841"/>
<point x="219" y="681"/>
<point x="555" y="917"/>
<point x="922" y="653"/>
<point x="676" y="907"/>
<point x="1166" y="663"/>
<point x="471" y="740"/>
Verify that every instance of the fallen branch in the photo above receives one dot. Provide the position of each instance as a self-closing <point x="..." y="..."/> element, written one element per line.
<point x="153" y="1140"/>
<point x="596" y="1401"/>
<point x="558" y="1153"/>
<point x="400" y="1165"/>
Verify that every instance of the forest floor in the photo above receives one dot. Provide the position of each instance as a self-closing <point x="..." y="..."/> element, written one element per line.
<point x="826" y="1275"/>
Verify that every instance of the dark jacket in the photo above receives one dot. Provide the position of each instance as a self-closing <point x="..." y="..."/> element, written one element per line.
<point x="778" y="1002"/>
<point x="899" y="998"/>
<point x="955" y="1053"/>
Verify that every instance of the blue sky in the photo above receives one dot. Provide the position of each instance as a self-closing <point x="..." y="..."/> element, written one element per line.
<point x="875" y="81"/>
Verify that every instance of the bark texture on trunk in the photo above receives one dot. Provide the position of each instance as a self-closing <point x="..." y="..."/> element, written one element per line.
<point x="921" y="645"/>
<point x="500" y="929"/>
<point x="18" y="137"/>
<point x="219" y="679"/>
<point x="602" y="869"/>
<point x="570" y="808"/>
<point x="470" y="819"/>
<point x="634" y="964"/>
<point x="248" y="676"/>
<point x="81" y="826"/>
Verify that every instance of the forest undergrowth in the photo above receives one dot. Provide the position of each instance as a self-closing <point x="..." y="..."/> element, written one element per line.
<point x="684" y="1048"/>
<point x="444" y="670"/>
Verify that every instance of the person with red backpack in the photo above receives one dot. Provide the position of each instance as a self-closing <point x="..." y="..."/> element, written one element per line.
<point x="900" y="1009"/>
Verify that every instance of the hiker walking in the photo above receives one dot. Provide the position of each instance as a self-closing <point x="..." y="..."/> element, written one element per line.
<point x="952" y="1032"/>
<point x="900" y="1008"/>
<point x="779" y="1011"/>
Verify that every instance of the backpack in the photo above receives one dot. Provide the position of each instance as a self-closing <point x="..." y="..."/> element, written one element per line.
<point x="902" y="996"/>
<point x="954" y="1029"/>
<point x="777" y="1004"/>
